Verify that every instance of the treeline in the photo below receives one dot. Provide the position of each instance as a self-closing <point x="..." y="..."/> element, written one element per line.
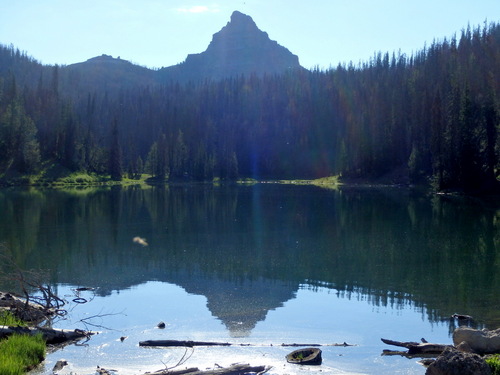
<point x="433" y="116"/>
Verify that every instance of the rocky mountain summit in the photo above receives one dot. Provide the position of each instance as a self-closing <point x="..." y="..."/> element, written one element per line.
<point x="238" y="48"/>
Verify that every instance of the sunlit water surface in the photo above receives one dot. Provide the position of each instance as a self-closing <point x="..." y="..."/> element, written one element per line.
<point x="319" y="316"/>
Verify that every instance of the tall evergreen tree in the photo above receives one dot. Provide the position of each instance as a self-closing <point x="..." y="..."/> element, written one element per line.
<point x="115" y="154"/>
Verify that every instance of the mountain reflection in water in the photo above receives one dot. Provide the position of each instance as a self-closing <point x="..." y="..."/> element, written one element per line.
<point x="248" y="249"/>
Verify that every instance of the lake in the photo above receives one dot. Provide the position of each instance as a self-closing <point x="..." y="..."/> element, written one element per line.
<point x="261" y="264"/>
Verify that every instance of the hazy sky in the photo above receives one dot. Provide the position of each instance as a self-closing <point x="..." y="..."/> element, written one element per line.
<point x="158" y="33"/>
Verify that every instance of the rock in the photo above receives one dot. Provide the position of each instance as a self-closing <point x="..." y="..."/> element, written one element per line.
<point x="161" y="325"/>
<point x="453" y="362"/>
<point x="306" y="356"/>
<point x="479" y="341"/>
<point x="462" y="317"/>
<point x="103" y="371"/>
<point x="464" y="347"/>
<point x="59" y="365"/>
<point x="426" y="361"/>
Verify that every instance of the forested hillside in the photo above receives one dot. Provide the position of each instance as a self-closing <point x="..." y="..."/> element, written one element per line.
<point x="434" y="115"/>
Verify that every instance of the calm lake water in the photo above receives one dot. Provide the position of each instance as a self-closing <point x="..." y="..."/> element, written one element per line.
<point x="263" y="264"/>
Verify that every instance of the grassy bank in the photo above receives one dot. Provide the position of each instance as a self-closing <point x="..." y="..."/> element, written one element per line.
<point x="331" y="182"/>
<point x="54" y="175"/>
<point x="19" y="353"/>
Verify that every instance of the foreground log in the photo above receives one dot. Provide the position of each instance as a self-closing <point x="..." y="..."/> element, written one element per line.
<point x="51" y="335"/>
<point x="25" y="310"/>
<point x="415" y="349"/>
<point x="238" y="369"/>
<point x="190" y="344"/>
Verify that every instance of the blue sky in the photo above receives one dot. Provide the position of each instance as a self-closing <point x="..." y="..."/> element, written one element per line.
<point x="158" y="33"/>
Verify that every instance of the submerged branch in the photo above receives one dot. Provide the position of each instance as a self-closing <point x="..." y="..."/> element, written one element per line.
<point x="237" y="369"/>
<point x="190" y="344"/>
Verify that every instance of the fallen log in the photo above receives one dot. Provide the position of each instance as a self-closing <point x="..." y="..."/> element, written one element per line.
<point x="387" y="352"/>
<point x="186" y="344"/>
<point x="175" y="372"/>
<point x="190" y="344"/>
<point x="25" y="310"/>
<point x="415" y="348"/>
<point x="316" y="345"/>
<point x="404" y="344"/>
<point x="428" y="348"/>
<point x="51" y="335"/>
<point x="237" y="369"/>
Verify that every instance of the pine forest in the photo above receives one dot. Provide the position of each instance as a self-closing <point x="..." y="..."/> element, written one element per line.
<point x="431" y="118"/>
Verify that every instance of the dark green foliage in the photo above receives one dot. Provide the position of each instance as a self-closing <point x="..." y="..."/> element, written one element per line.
<point x="19" y="148"/>
<point x="157" y="162"/>
<point x="494" y="363"/>
<point x="8" y="319"/>
<point x="115" y="154"/>
<point x="433" y="117"/>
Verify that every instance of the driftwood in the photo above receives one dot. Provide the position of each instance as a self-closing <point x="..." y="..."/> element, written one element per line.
<point x="237" y="369"/>
<point x="25" y="309"/>
<point x="51" y="335"/>
<point x="190" y="344"/>
<point x="186" y="344"/>
<point x="416" y="349"/>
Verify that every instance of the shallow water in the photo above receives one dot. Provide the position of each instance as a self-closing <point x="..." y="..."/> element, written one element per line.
<point x="319" y="316"/>
<point x="261" y="265"/>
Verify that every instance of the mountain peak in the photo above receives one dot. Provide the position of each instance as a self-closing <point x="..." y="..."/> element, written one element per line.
<point x="238" y="48"/>
<point x="241" y="19"/>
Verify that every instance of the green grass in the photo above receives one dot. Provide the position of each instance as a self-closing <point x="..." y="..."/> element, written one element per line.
<point x="53" y="174"/>
<point x="20" y="353"/>
<point x="86" y="179"/>
<point x="331" y="181"/>
<point x="7" y="319"/>
<point x="247" y="181"/>
<point x="494" y="363"/>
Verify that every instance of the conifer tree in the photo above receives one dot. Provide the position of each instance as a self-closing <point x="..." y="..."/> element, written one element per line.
<point x="115" y="154"/>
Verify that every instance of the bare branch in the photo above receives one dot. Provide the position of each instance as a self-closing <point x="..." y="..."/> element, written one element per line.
<point x="86" y="321"/>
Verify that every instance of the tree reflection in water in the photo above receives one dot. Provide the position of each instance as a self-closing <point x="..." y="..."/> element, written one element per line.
<point x="248" y="249"/>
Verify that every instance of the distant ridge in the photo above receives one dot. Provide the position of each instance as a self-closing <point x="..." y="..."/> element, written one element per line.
<point x="108" y="73"/>
<point x="238" y="48"/>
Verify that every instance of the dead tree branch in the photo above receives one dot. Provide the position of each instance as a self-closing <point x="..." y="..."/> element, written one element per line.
<point x="423" y="348"/>
<point x="51" y="335"/>
<point x="237" y="369"/>
<point x="190" y="344"/>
